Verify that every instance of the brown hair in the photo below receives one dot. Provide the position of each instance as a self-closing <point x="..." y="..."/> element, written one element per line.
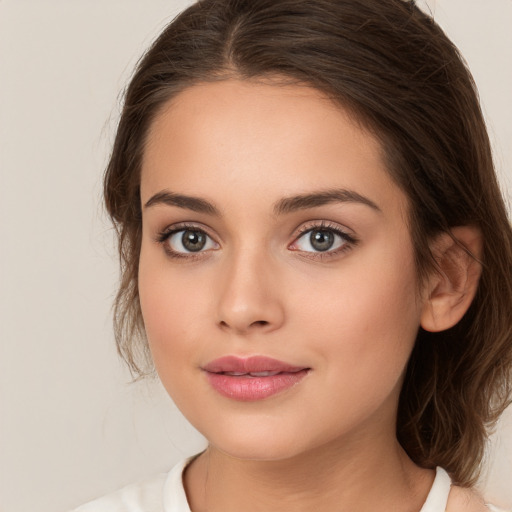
<point x="395" y="69"/>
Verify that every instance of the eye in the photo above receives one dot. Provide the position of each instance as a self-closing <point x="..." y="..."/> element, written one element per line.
<point x="188" y="240"/>
<point x="322" y="239"/>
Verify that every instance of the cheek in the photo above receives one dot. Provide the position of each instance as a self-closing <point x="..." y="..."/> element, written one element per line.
<point x="367" y="315"/>
<point x="170" y="309"/>
<point x="170" y="324"/>
<point x="365" y="330"/>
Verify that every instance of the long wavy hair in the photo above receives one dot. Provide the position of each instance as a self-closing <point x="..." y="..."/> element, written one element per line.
<point x="393" y="67"/>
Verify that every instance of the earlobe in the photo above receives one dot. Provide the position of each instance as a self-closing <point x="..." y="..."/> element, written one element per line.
<point x="451" y="289"/>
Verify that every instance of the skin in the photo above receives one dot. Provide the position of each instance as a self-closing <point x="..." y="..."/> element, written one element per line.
<point x="258" y="288"/>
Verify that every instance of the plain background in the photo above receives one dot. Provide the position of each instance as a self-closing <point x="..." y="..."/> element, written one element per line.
<point x="71" y="425"/>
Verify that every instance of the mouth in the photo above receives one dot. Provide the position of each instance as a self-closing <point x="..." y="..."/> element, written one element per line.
<point x="254" y="378"/>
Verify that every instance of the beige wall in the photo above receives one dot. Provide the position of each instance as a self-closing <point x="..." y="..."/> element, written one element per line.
<point x="71" y="427"/>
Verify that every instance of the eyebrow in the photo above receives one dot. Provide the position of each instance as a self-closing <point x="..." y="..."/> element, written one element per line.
<point x="283" y="206"/>
<point x="195" y="204"/>
<point x="312" y="200"/>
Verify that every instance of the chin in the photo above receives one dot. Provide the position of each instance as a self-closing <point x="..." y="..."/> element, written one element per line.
<point x="258" y="444"/>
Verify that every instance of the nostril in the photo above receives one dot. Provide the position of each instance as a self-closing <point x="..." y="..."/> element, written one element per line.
<point x="257" y="324"/>
<point x="260" y="323"/>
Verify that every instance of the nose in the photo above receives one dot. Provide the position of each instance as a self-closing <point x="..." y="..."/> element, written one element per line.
<point x="250" y="298"/>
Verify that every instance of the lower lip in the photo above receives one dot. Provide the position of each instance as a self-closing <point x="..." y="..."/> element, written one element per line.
<point x="250" y="389"/>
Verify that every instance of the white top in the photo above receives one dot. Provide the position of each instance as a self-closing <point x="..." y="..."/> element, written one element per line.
<point x="165" y="493"/>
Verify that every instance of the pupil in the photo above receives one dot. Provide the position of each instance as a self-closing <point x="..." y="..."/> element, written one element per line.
<point x="322" y="240"/>
<point x="193" y="240"/>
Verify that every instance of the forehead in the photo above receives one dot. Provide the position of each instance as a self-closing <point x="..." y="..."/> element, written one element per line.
<point x="272" y="138"/>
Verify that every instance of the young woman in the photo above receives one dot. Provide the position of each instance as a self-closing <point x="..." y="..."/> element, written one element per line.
<point x="315" y="257"/>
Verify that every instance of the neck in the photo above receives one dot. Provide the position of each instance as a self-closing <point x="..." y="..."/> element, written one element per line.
<point x="362" y="476"/>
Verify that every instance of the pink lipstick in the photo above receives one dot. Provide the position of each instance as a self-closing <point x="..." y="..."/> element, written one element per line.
<point x="253" y="378"/>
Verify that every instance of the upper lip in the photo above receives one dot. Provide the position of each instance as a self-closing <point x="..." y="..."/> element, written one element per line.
<point x="253" y="364"/>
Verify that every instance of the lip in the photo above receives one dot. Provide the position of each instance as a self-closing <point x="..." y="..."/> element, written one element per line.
<point x="252" y="378"/>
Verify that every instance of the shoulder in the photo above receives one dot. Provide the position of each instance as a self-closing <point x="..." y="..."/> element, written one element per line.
<point x="463" y="499"/>
<point x="161" y="493"/>
<point x="143" y="496"/>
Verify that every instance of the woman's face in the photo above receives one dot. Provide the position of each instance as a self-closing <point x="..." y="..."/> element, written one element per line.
<point x="277" y="279"/>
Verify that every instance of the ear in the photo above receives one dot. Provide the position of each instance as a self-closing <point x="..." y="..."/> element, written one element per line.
<point x="452" y="287"/>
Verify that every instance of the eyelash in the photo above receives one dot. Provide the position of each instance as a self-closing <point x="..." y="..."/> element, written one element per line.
<point x="349" y="240"/>
<point x="166" y="234"/>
